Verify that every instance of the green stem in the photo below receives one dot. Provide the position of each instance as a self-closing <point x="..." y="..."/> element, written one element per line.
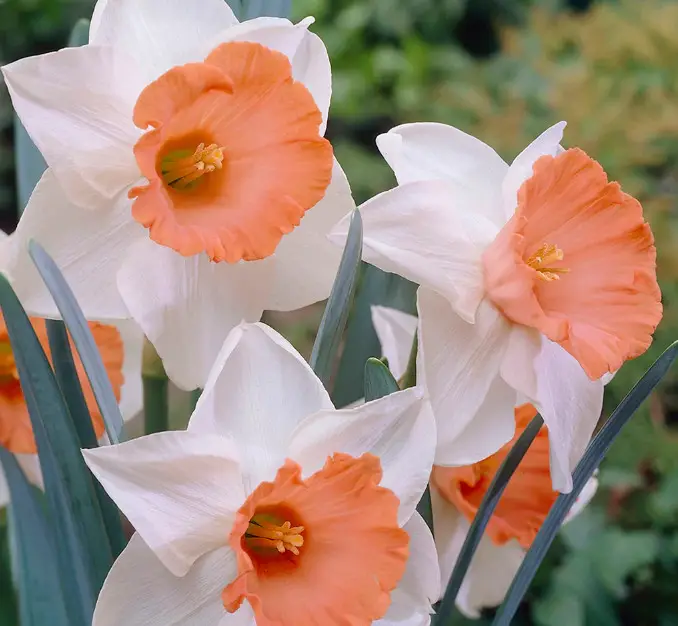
<point x="156" y="391"/>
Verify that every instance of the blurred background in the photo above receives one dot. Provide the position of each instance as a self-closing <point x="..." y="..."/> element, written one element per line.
<point x="503" y="70"/>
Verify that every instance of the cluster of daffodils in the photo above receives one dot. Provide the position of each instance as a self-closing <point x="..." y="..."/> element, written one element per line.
<point x="189" y="188"/>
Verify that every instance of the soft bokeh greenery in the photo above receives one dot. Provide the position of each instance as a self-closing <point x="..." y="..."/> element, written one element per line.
<point x="504" y="71"/>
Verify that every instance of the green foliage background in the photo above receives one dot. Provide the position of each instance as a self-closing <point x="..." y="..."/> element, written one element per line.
<point x="504" y="70"/>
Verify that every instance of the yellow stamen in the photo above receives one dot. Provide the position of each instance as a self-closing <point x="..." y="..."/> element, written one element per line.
<point x="264" y="534"/>
<point x="8" y="371"/>
<point x="181" y="172"/>
<point x="542" y="261"/>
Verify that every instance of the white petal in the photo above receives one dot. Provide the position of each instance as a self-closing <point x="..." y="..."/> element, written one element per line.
<point x="398" y="428"/>
<point x="518" y="368"/>
<point x="306" y="262"/>
<point x="427" y="233"/>
<point x="244" y="616"/>
<point x="76" y="105"/>
<point x="179" y="490"/>
<point x="570" y="404"/>
<point x="88" y="246"/>
<point x="259" y="390"/>
<point x="586" y="495"/>
<point x="419" y="588"/>
<point x="458" y="363"/>
<point x="30" y="466"/>
<point x="4" y="489"/>
<point x="395" y="331"/>
<point x="140" y="591"/>
<point x="493" y="426"/>
<point x="430" y="151"/>
<point x="521" y="168"/>
<point x="186" y="306"/>
<point x="131" y="394"/>
<point x="160" y="34"/>
<point x="492" y="569"/>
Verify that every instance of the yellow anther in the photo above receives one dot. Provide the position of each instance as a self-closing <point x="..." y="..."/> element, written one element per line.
<point x="543" y="259"/>
<point x="184" y="170"/>
<point x="262" y="533"/>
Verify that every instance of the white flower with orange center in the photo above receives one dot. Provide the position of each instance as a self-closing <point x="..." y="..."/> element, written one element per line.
<point x="456" y="495"/>
<point x="274" y="508"/>
<point x="120" y="349"/>
<point x="457" y="492"/>
<point x="536" y="280"/>
<point x="189" y="183"/>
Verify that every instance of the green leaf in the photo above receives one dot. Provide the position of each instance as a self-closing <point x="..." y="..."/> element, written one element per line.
<point x="79" y="34"/>
<point x="83" y="551"/>
<point x="41" y="597"/>
<point x="584" y="470"/>
<point x="69" y="383"/>
<point x="29" y="164"/>
<point x="338" y="306"/>
<point x="375" y="287"/>
<point x="82" y="338"/>
<point x="265" y="8"/>
<point x="236" y="7"/>
<point x="482" y="518"/>
<point x="379" y="381"/>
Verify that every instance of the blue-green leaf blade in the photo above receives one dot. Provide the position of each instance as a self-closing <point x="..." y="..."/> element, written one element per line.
<point x="379" y="381"/>
<point x="583" y="472"/>
<point x="83" y="550"/>
<point x="41" y="595"/>
<point x="82" y="338"/>
<point x="30" y="165"/>
<point x="333" y="322"/>
<point x="266" y="8"/>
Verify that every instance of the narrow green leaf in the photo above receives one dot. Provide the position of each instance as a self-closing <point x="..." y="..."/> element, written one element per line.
<point x="79" y="34"/>
<point x="69" y="383"/>
<point x="30" y="165"/>
<point x="266" y="8"/>
<point x="483" y="516"/>
<point x="83" y="551"/>
<point x="41" y="597"/>
<point x="156" y="391"/>
<point x="338" y="306"/>
<point x="585" y="468"/>
<point x="236" y="7"/>
<point x="379" y="381"/>
<point x="82" y="338"/>
<point x="375" y="287"/>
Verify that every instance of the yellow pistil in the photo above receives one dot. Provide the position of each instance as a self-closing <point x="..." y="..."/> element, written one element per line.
<point x="184" y="170"/>
<point x="8" y="371"/>
<point x="264" y="534"/>
<point x="543" y="259"/>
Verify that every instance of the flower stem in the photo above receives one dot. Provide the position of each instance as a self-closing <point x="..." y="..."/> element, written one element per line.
<point x="156" y="391"/>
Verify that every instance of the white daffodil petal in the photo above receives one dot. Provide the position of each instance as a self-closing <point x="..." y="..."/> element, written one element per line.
<point x="521" y="168"/>
<point x="492" y="569"/>
<point x="186" y="306"/>
<point x="259" y="390"/>
<point x="131" y="394"/>
<point x="427" y="232"/>
<point x="570" y="404"/>
<point x="395" y="331"/>
<point x="163" y="34"/>
<point x="88" y="246"/>
<point x="179" y="490"/>
<point x="140" y="591"/>
<point x="431" y="151"/>
<point x="398" y="428"/>
<point x="305" y="263"/>
<point x="76" y="105"/>
<point x="244" y="616"/>
<point x="518" y="368"/>
<point x="586" y="495"/>
<point x="493" y="426"/>
<point x="458" y="363"/>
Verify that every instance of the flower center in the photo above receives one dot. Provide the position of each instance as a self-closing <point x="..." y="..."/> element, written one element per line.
<point x="181" y="168"/>
<point x="543" y="259"/>
<point x="8" y="371"/>
<point x="264" y="533"/>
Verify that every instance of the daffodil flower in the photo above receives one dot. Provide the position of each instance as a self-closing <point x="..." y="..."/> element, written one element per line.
<point x="456" y="493"/>
<point x="189" y="184"/>
<point x="536" y="280"/>
<point x="273" y="507"/>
